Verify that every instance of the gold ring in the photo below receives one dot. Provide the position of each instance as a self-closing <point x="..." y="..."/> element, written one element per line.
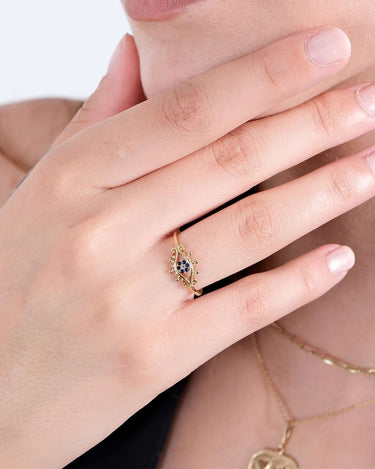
<point x="184" y="266"/>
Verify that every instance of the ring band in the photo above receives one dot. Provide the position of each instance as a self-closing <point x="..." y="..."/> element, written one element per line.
<point x="184" y="266"/>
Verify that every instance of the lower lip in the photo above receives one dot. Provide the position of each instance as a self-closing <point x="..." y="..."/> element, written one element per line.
<point x="148" y="10"/>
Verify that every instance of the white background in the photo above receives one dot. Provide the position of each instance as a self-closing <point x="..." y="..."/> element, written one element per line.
<point x="56" y="47"/>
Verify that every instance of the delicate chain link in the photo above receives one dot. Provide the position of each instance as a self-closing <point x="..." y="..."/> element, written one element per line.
<point x="284" y="411"/>
<point x="324" y="356"/>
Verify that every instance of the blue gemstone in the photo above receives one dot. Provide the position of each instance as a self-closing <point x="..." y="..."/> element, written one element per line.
<point x="182" y="271"/>
<point x="184" y="261"/>
<point x="187" y="265"/>
<point x="179" y="263"/>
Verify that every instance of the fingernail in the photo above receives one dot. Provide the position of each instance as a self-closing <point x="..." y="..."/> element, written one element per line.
<point x="371" y="161"/>
<point x="366" y="98"/>
<point x="328" y="47"/>
<point x="340" y="260"/>
<point x="117" y="53"/>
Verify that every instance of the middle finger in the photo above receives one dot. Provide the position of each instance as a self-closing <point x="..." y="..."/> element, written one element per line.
<point x="257" y="150"/>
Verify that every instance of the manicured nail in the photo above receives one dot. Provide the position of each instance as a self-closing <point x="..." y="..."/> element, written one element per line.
<point x="340" y="260"/>
<point x="371" y="161"/>
<point x="328" y="46"/>
<point x="117" y="53"/>
<point x="365" y="96"/>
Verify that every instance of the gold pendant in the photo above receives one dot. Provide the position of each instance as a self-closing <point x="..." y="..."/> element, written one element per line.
<point x="275" y="458"/>
<point x="272" y="459"/>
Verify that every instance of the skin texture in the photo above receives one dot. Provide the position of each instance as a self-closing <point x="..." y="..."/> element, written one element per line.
<point x="342" y="320"/>
<point x="41" y="120"/>
<point x="90" y="312"/>
<point x="193" y="42"/>
<point x="88" y="335"/>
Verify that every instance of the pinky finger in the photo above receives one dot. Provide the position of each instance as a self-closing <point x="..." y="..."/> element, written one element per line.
<point x="208" y="325"/>
<point x="119" y="89"/>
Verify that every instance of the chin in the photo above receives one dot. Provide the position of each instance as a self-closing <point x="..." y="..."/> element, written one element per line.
<point x="215" y="32"/>
<point x="172" y="51"/>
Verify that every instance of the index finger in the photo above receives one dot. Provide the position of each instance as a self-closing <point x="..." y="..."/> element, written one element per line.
<point x="199" y="111"/>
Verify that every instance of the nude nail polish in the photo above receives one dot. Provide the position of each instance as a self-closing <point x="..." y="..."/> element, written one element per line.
<point x="366" y="98"/>
<point x="328" y="46"/>
<point x="340" y="260"/>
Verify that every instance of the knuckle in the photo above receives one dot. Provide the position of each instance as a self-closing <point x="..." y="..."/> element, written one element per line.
<point x="258" y="223"/>
<point x="238" y="153"/>
<point x="325" y="115"/>
<point x="82" y="247"/>
<point x="276" y="73"/>
<point x="310" y="280"/>
<point x="51" y="179"/>
<point x="187" y="108"/>
<point x="253" y="304"/>
<point x="343" y="184"/>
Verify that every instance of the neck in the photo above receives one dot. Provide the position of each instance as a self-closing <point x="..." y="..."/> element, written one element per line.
<point x="342" y="321"/>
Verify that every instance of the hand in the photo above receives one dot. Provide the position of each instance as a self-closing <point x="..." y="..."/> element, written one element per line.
<point x="29" y="128"/>
<point x="93" y="325"/>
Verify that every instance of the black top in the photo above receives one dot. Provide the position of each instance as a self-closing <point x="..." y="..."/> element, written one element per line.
<point x="138" y="443"/>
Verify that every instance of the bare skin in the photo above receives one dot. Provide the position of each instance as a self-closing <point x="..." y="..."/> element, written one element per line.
<point x="197" y="393"/>
<point x="41" y="121"/>
<point x="222" y="417"/>
<point x="227" y="412"/>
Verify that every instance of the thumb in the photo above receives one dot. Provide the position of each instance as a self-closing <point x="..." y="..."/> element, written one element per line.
<point x="118" y="90"/>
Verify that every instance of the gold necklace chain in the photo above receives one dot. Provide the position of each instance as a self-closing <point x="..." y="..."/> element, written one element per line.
<point x="324" y="356"/>
<point x="275" y="458"/>
<point x="283" y="407"/>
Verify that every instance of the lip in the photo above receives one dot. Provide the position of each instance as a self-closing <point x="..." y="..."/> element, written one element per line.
<point x="149" y="10"/>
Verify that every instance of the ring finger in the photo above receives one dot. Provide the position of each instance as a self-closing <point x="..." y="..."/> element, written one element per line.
<point x="261" y="224"/>
<point x="247" y="156"/>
